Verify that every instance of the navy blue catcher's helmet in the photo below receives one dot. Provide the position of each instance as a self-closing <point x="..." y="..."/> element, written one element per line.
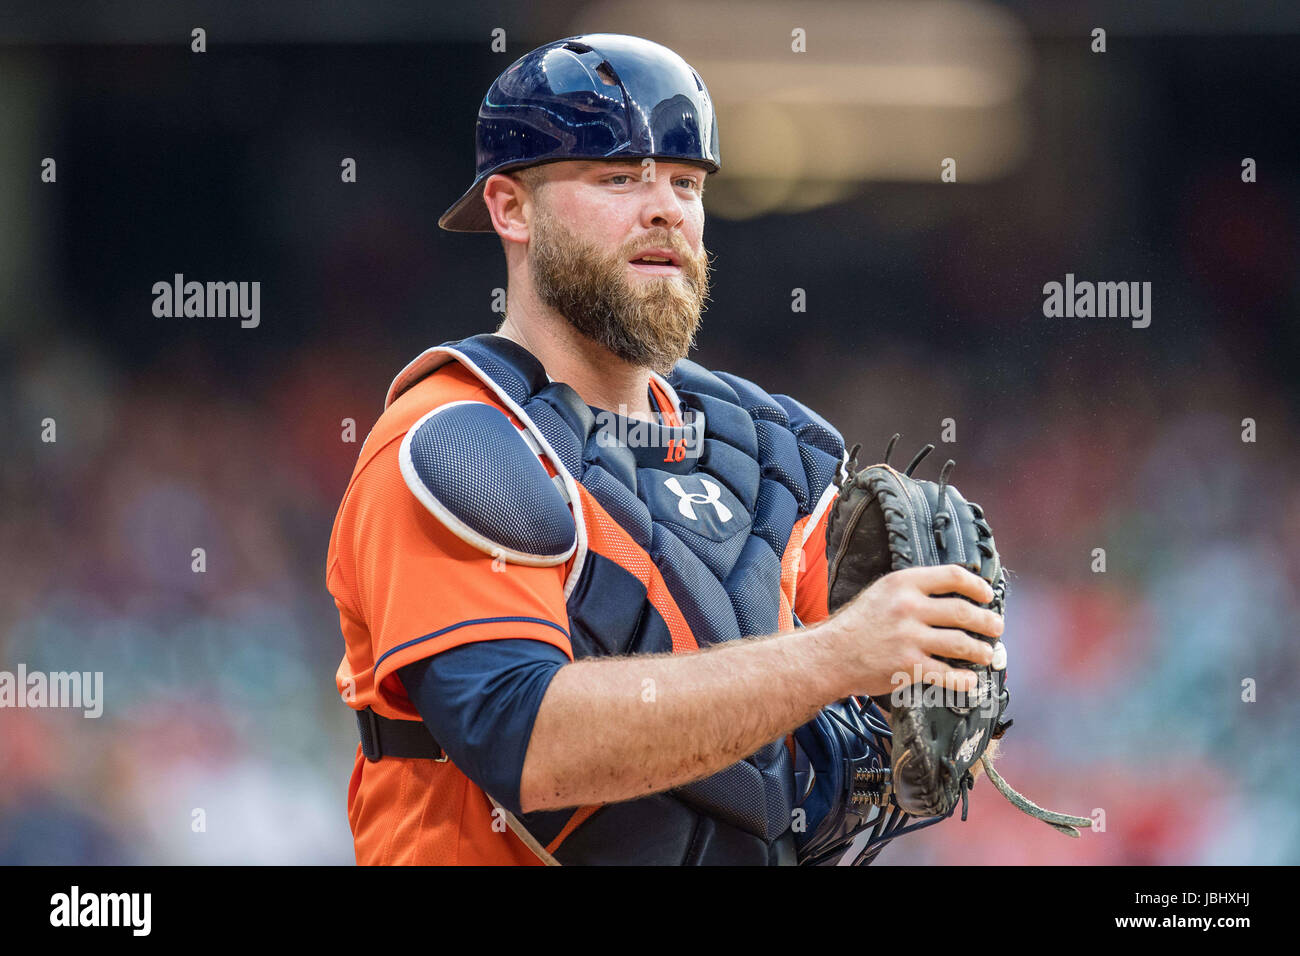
<point x="596" y="96"/>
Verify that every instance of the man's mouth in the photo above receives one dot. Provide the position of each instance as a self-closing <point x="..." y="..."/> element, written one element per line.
<point x="656" y="262"/>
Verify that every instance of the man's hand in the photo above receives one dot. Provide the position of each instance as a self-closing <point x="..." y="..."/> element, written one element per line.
<point x="907" y="619"/>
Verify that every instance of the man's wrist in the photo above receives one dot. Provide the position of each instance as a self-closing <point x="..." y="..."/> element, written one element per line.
<point x="818" y="651"/>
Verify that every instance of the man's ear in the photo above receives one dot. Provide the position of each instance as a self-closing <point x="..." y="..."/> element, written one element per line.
<point x="510" y="205"/>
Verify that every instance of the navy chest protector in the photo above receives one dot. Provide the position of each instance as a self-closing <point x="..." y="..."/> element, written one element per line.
<point x="713" y="502"/>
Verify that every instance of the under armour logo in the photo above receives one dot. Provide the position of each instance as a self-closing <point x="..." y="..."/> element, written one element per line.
<point x="687" y="500"/>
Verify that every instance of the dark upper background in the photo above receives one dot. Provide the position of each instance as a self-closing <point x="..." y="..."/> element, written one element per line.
<point x="924" y="303"/>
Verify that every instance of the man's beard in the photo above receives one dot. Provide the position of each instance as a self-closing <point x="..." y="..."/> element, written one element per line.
<point x="651" y="323"/>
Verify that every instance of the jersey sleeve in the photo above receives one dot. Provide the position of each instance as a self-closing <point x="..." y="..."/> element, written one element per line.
<point x="417" y="589"/>
<point x="480" y="700"/>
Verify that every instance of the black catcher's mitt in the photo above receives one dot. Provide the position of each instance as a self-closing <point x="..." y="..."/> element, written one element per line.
<point x="884" y="520"/>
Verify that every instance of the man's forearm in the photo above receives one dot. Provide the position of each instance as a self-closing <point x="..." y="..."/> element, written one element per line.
<point x="615" y="729"/>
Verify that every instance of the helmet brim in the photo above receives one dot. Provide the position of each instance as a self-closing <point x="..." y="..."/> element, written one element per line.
<point x="468" y="213"/>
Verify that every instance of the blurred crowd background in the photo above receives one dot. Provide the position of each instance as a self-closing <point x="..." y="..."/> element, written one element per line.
<point x="924" y="302"/>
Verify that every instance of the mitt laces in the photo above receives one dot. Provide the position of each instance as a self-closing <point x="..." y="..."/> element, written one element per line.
<point x="851" y="460"/>
<point x="1062" y="822"/>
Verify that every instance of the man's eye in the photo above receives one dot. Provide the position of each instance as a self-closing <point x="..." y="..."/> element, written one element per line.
<point x="623" y="176"/>
<point x="688" y="182"/>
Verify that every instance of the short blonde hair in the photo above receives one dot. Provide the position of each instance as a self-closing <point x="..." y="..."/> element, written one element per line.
<point x="530" y="176"/>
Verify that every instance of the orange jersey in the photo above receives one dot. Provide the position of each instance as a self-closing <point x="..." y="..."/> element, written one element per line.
<point x="407" y="588"/>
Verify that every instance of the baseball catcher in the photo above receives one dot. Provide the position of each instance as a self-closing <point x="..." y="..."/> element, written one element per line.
<point x="604" y="605"/>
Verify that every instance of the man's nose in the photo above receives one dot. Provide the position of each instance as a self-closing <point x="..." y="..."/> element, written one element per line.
<point x="661" y="205"/>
